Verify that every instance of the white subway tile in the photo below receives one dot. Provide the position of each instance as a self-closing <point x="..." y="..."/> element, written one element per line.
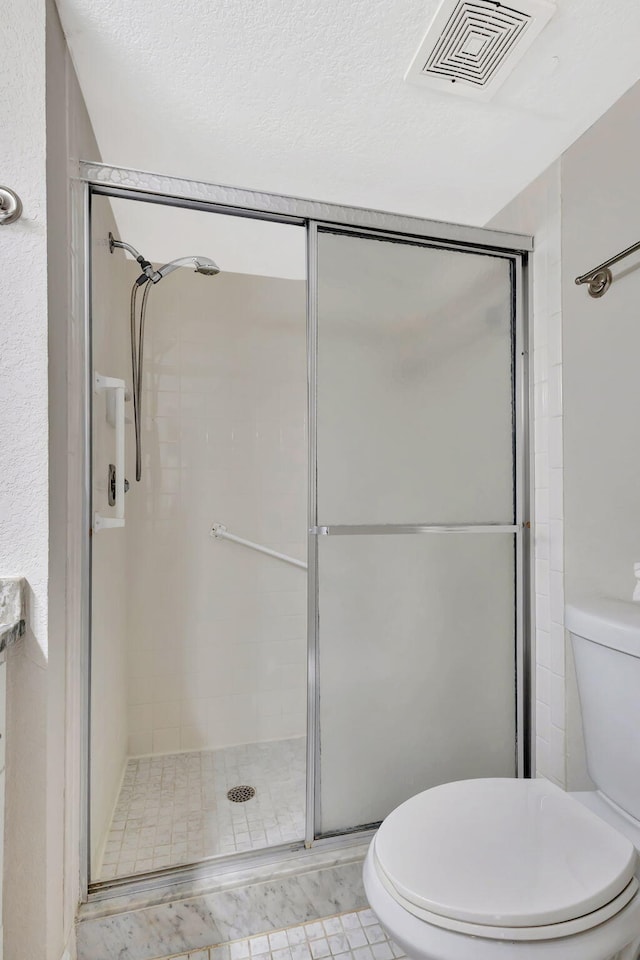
<point x="557" y="701"/>
<point x="555" y="340"/>
<point x="557" y="764"/>
<point x="193" y="737"/>
<point x="555" y="442"/>
<point x="165" y="403"/>
<point x="541" y="399"/>
<point x="543" y="685"/>
<point x="140" y="718"/>
<point x="541" y="435"/>
<point x="543" y="648"/>
<point x="161" y="429"/>
<point x="164" y="687"/>
<point x="541" y="583"/>
<point x="543" y="720"/>
<point x="140" y="744"/>
<point x="168" y="457"/>
<point x="556" y="494"/>
<point x="541" y="471"/>
<point x="542" y="498"/>
<point x="556" y="545"/>
<point x="166" y="741"/>
<point x="541" y="539"/>
<point x="542" y="757"/>
<point x="268" y="704"/>
<point x="139" y="690"/>
<point x="555" y="390"/>
<point x="543" y="613"/>
<point x="540" y="322"/>
<point x="557" y="596"/>
<point x="540" y="363"/>
<point x="558" y="640"/>
<point x="166" y="713"/>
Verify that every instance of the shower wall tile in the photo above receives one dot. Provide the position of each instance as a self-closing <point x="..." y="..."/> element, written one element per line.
<point x="217" y="633"/>
<point x="537" y="211"/>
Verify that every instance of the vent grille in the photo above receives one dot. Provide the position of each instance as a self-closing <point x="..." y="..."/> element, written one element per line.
<point x="473" y="45"/>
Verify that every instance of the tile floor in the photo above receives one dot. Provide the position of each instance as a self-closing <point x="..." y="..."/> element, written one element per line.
<point x="349" y="936"/>
<point x="174" y="809"/>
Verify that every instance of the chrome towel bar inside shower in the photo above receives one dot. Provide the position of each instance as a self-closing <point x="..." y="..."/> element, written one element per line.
<point x="600" y="278"/>
<point x="220" y="532"/>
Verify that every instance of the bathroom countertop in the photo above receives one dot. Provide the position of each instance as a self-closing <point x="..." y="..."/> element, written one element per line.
<point x="13" y="614"/>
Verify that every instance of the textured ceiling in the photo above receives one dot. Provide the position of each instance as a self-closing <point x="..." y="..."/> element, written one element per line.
<point x="307" y="97"/>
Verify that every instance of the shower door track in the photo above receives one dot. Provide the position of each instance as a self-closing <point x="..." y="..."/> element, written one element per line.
<point x="117" y="182"/>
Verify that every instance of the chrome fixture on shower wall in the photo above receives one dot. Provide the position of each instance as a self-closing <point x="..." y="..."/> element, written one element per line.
<point x="10" y="206"/>
<point x="600" y="278"/>
<point x="202" y="265"/>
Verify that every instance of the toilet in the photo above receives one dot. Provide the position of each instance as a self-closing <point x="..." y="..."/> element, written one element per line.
<point x="496" y="869"/>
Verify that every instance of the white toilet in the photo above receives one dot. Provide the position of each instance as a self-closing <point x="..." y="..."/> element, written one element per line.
<point x="491" y="869"/>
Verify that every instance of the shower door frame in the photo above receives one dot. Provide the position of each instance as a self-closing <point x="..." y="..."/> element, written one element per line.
<point x="108" y="181"/>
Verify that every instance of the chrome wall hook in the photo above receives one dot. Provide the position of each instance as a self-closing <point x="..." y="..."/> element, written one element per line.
<point x="10" y="206"/>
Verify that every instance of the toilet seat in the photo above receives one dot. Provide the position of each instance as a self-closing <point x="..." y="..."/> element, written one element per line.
<point x="505" y="860"/>
<point x="548" y="932"/>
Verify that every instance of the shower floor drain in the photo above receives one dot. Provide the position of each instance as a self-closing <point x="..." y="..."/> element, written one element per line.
<point x="240" y="794"/>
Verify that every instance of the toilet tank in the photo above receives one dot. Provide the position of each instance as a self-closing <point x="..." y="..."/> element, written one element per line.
<point x="606" y="645"/>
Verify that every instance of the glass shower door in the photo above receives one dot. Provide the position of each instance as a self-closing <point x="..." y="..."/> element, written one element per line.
<point x="416" y="543"/>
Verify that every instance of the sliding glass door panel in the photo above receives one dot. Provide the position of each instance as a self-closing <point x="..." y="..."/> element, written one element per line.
<point x="415" y="397"/>
<point x="418" y="630"/>
<point x="417" y="668"/>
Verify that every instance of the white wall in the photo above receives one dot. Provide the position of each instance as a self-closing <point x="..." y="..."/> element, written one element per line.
<point x="600" y="216"/>
<point x="43" y="124"/>
<point x="537" y="211"/>
<point x="217" y="633"/>
<point x="24" y="466"/>
<point x="111" y="283"/>
<point x="587" y="390"/>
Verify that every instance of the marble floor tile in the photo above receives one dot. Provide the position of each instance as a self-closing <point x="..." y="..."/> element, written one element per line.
<point x="174" y="809"/>
<point x="327" y="938"/>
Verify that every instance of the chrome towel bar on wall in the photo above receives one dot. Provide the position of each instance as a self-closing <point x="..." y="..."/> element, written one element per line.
<point x="600" y="278"/>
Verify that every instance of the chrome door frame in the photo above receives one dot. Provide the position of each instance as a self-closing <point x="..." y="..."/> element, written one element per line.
<point x="118" y="182"/>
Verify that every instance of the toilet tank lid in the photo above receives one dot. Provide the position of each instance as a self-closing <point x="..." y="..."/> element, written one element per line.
<point x="611" y="623"/>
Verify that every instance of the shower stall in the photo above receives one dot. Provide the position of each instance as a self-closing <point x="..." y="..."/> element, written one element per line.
<point x="307" y="492"/>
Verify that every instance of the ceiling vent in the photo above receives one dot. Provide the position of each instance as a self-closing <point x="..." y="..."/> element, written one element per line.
<point x="473" y="45"/>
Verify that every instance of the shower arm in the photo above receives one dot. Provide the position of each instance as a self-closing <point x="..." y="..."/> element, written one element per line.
<point x="201" y="264"/>
<point x="148" y="273"/>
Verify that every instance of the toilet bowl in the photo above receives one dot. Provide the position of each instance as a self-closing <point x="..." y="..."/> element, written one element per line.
<point x="507" y="868"/>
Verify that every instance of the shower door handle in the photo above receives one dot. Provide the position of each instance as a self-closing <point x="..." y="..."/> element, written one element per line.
<point x="104" y="385"/>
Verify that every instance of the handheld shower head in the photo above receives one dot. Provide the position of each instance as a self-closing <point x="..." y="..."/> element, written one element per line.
<point x="207" y="267"/>
<point x="202" y="265"/>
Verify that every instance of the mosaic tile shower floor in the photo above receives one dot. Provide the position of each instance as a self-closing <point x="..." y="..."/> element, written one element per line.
<point x="349" y="936"/>
<point x="174" y="809"/>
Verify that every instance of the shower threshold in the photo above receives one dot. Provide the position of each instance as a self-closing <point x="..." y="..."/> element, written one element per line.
<point x="173" y="809"/>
